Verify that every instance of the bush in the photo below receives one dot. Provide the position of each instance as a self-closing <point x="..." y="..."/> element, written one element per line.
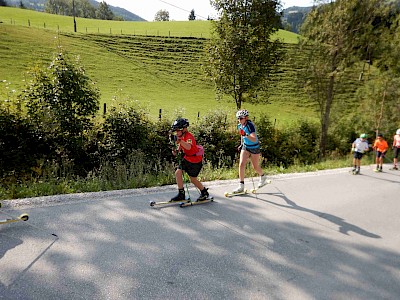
<point x="18" y="145"/>
<point x="218" y="137"/>
<point x="61" y="103"/>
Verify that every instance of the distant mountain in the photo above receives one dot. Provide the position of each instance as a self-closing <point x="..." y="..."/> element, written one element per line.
<point x="294" y="16"/>
<point x="39" y="5"/>
<point x="125" y="14"/>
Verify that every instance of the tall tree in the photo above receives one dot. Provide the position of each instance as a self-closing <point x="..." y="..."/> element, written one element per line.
<point x="62" y="99"/>
<point x="85" y="9"/>
<point x="241" y="54"/>
<point x="339" y="34"/>
<point x="104" y="12"/>
<point x="192" y="15"/>
<point x="380" y="95"/>
<point x="58" y="7"/>
<point x="161" y="15"/>
<point x="3" y="3"/>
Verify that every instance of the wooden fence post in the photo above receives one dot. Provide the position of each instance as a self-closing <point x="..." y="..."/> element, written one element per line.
<point x="159" y="114"/>
<point x="104" y="109"/>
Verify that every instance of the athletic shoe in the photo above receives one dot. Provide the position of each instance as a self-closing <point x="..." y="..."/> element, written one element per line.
<point x="239" y="189"/>
<point x="180" y="196"/>
<point x="263" y="181"/>
<point x="204" y="195"/>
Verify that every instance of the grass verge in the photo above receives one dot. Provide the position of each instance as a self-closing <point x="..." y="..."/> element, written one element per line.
<point x="102" y="182"/>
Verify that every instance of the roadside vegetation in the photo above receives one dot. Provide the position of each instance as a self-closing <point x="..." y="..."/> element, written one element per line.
<point x="56" y="137"/>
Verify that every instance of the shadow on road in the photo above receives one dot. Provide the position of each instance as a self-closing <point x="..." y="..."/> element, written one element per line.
<point x="344" y="227"/>
<point x="121" y="248"/>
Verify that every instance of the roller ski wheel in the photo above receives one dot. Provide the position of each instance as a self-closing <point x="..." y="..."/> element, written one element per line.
<point x="197" y="202"/>
<point x="23" y="217"/>
<point x="232" y="194"/>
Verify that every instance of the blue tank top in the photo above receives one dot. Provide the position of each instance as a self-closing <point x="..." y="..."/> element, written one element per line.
<point x="249" y="128"/>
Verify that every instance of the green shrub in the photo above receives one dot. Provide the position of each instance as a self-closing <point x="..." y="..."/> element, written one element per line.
<point x="18" y="145"/>
<point x="218" y="137"/>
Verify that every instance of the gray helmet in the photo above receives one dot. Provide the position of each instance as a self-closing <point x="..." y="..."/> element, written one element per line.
<point x="179" y="124"/>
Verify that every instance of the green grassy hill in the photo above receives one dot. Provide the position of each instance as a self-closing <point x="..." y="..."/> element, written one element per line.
<point x="158" y="65"/>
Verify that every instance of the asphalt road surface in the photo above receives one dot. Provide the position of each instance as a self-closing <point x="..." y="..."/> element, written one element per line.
<point x="321" y="235"/>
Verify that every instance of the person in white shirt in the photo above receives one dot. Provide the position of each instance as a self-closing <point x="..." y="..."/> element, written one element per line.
<point x="396" y="148"/>
<point x="359" y="147"/>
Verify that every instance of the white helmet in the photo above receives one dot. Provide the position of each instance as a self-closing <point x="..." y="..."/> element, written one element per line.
<point x="398" y="131"/>
<point x="242" y="113"/>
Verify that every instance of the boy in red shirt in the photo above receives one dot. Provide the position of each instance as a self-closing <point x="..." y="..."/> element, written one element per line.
<point x="192" y="161"/>
<point x="380" y="146"/>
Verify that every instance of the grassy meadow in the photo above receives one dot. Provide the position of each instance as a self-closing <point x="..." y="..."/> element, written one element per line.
<point x="155" y="64"/>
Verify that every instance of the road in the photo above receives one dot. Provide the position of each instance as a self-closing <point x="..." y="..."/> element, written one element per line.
<point x="319" y="235"/>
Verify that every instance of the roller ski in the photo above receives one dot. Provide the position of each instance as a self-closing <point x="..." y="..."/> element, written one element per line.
<point x="237" y="192"/>
<point x="203" y="198"/>
<point x="263" y="181"/>
<point x="22" y="217"/>
<point x="232" y="194"/>
<point x="197" y="202"/>
<point x="170" y="202"/>
<point x="183" y="201"/>
<point x="355" y="171"/>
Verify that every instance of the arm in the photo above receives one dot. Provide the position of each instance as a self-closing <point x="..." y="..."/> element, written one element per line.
<point x="183" y="144"/>
<point x="252" y="137"/>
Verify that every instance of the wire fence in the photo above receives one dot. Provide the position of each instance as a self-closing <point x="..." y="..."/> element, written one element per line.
<point x="124" y="30"/>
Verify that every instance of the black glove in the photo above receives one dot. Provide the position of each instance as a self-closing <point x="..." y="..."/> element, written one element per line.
<point x="173" y="138"/>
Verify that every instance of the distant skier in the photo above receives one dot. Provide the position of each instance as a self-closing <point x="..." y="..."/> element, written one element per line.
<point x="380" y="146"/>
<point x="359" y="147"/>
<point x="396" y="148"/>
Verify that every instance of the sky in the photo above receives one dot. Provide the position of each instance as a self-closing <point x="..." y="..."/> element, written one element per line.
<point x="179" y="10"/>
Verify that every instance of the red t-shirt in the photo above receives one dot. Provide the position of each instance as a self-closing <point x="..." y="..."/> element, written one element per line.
<point x="190" y="154"/>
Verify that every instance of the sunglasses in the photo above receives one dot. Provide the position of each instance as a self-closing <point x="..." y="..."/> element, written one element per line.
<point x="241" y="118"/>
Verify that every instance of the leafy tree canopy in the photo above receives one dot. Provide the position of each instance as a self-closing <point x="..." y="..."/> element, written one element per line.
<point x="242" y="54"/>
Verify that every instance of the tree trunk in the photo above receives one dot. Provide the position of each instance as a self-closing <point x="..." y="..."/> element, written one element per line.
<point x="380" y="117"/>
<point x="326" y="116"/>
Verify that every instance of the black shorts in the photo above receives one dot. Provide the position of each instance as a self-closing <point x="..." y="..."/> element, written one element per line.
<point x="192" y="169"/>
<point x="396" y="151"/>
<point x="380" y="154"/>
<point x="251" y="150"/>
<point x="358" y="155"/>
